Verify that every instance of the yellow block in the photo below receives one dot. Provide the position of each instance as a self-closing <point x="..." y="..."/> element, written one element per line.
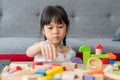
<point x="44" y="78"/>
<point x="53" y="71"/>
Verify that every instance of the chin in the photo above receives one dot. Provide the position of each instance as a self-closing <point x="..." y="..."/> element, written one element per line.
<point x="56" y="42"/>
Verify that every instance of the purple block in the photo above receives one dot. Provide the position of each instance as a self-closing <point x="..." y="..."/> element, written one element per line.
<point x="88" y="77"/>
<point x="77" y="60"/>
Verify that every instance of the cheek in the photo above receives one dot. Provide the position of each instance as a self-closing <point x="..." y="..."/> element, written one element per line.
<point x="63" y="33"/>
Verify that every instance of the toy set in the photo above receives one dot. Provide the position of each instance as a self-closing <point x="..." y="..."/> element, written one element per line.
<point x="108" y="58"/>
<point x="96" y="66"/>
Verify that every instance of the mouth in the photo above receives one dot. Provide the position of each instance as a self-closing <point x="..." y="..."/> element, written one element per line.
<point x="56" y="37"/>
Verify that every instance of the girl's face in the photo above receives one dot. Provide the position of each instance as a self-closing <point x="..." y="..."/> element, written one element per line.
<point x="55" y="32"/>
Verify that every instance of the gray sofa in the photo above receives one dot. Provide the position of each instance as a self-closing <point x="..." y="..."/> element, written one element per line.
<point x="91" y="22"/>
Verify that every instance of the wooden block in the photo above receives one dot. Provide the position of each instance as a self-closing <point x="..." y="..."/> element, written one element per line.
<point x="36" y="63"/>
<point x="86" y="56"/>
<point x="40" y="67"/>
<point x="53" y="65"/>
<point x="98" y="51"/>
<point x="98" y="76"/>
<point x="86" y="53"/>
<point x="57" y="77"/>
<point x="53" y="71"/>
<point x="116" y="72"/>
<point x="69" y="75"/>
<point x="6" y="69"/>
<point x="100" y="56"/>
<point x="69" y="66"/>
<point x="115" y="66"/>
<point x="112" y="76"/>
<point x="15" y="69"/>
<point x="105" y="60"/>
<point x="108" y="68"/>
<point x="44" y="78"/>
<point x="30" y="77"/>
<point x="77" y="60"/>
<point x="88" y="77"/>
<point x="23" y="72"/>
<point x="111" y="56"/>
<point x="111" y="61"/>
<point x="94" y="63"/>
<point x="96" y="71"/>
<point x="22" y="65"/>
<point x="41" y="72"/>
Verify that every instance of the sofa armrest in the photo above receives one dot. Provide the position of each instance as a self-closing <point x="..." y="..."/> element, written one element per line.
<point x="16" y="57"/>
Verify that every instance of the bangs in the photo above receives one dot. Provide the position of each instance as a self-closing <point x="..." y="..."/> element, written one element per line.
<point x="48" y="18"/>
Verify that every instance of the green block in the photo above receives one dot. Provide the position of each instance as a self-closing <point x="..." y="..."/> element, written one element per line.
<point x="119" y="65"/>
<point x="86" y="56"/>
<point x="84" y="48"/>
<point x="116" y="72"/>
<point x="100" y="56"/>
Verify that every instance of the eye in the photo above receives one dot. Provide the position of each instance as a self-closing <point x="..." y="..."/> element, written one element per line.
<point x="50" y="27"/>
<point x="60" y="26"/>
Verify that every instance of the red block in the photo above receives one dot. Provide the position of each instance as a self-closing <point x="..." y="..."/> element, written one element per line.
<point x="53" y="65"/>
<point x="15" y="69"/>
<point x="105" y="60"/>
<point x="36" y="63"/>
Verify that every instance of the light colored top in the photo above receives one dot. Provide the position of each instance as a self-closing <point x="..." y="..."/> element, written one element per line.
<point x="61" y="57"/>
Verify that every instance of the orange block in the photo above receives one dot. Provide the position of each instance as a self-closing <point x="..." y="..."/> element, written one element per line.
<point x="111" y="56"/>
<point x="96" y="71"/>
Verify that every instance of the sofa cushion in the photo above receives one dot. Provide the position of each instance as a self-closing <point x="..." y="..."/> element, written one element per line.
<point x="117" y="35"/>
<point x="19" y="45"/>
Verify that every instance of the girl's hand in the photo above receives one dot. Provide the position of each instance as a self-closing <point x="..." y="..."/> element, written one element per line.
<point x="48" y="50"/>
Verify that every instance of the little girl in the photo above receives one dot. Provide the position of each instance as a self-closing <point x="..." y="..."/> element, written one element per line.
<point x="54" y="26"/>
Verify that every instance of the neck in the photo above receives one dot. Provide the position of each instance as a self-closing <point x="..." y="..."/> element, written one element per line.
<point x="57" y="45"/>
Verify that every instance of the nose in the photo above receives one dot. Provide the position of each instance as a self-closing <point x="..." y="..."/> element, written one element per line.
<point x="55" y="30"/>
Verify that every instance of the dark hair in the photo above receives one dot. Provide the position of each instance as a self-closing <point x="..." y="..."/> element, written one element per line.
<point x="59" y="15"/>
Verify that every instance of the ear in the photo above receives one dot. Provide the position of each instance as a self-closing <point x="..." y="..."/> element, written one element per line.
<point x="43" y="31"/>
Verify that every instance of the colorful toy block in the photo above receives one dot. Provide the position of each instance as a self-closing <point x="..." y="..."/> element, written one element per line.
<point x="15" y="69"/>
<point x="100" y="56"/>
<point x="44" y="78"/>
<point x="86" y="53"/>
<point x="95" y="63"/>
<point x="95" y="71"/>
<point x="53" y="71"/>
<point x="41" y="72"/>
<point x="36" y="63"/>
<point x="105" y="60"/>
<point x="98" y="49"/>
<point x="77" y="60"/>
<point x="88" y="77"/>
<point x="111" y="61"/>
<point x="30" y="77"/>
<point x="111" y="56"/>
<point x="53" y="65"/>
<point x="69" y="65"/>
<point x="98" y="77"/>
<point x="108" y="58"/>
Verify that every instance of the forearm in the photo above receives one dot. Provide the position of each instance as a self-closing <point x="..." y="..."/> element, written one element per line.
<point x="33" y="50"/>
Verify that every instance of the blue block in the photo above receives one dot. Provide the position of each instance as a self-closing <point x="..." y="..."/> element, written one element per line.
<point x="88" y="77"/>
<point x="111" y="61"/>
<point x="41" y="72"/>
<point x="10" y="72"/>
<point x="56" y="79"/>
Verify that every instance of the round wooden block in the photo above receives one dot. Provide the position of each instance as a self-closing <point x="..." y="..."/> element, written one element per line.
<point x="94" y="63"/>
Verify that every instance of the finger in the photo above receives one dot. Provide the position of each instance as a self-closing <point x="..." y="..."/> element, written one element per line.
<point x="50" y="51"/>
<point x="54" y="52"/>
<point x="46" y="51"/>
<point x="43" y="51"/>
